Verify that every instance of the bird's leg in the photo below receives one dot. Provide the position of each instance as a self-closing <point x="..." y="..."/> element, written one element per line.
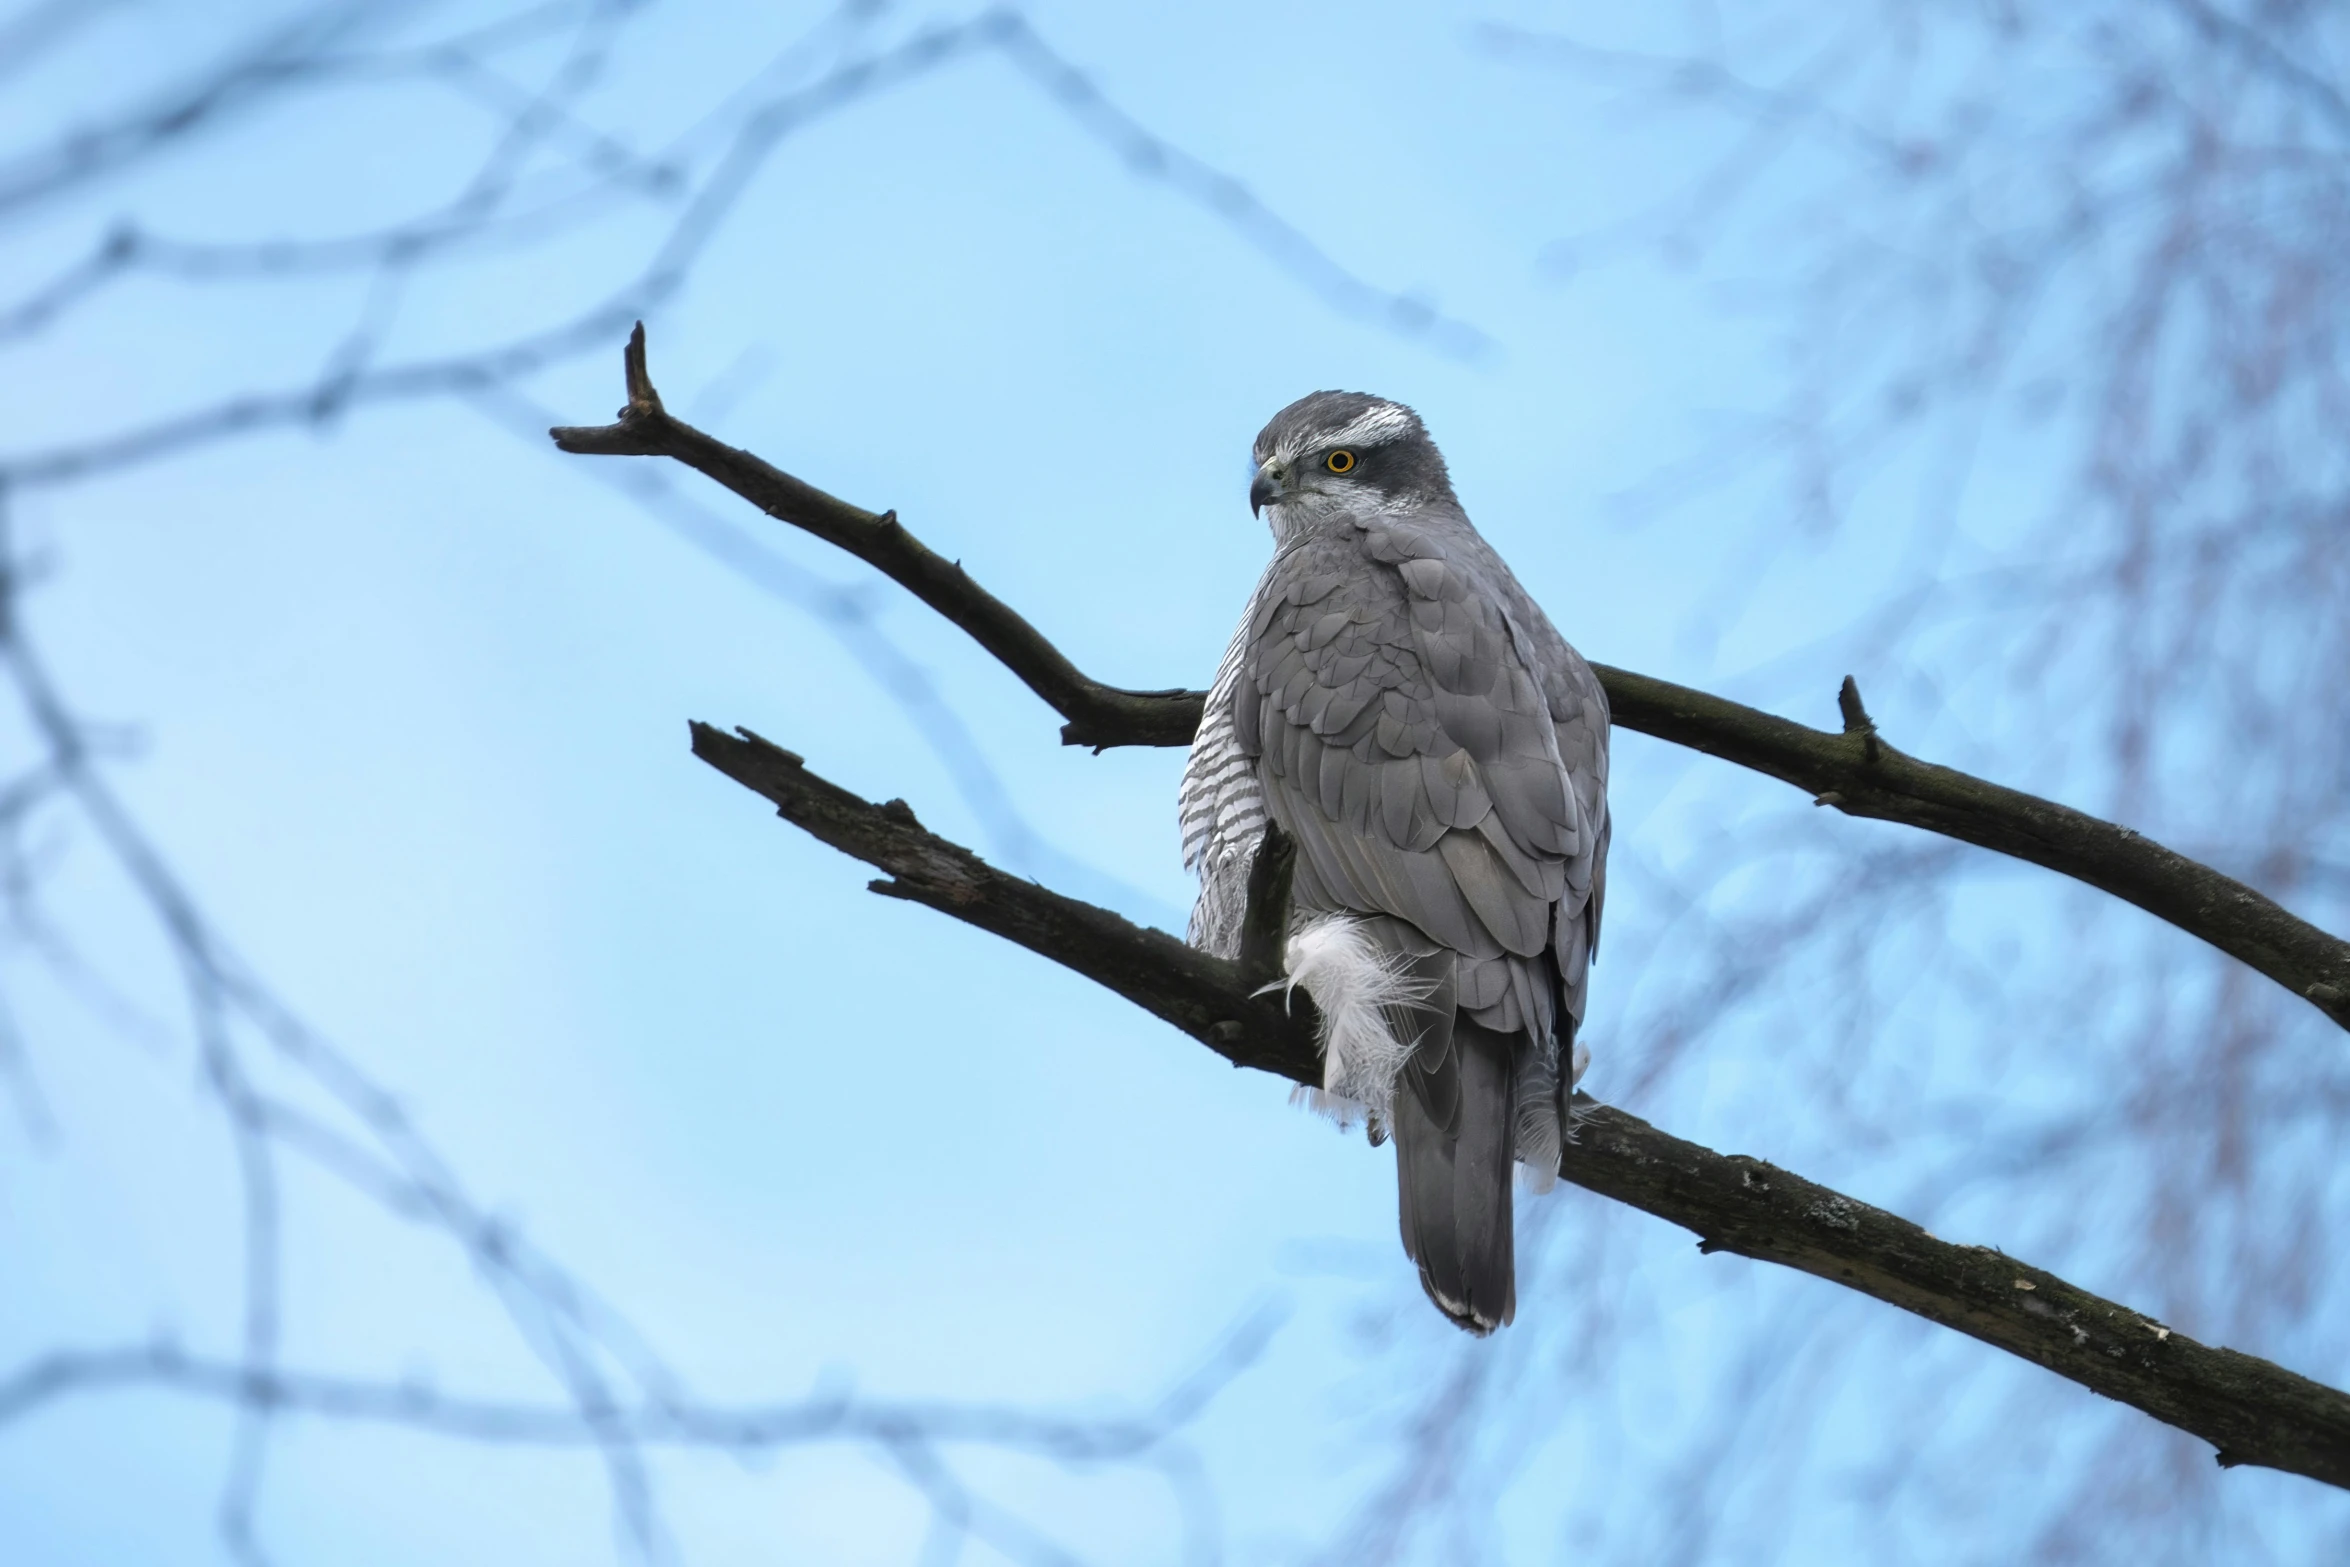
<point x="1264" y="924"/>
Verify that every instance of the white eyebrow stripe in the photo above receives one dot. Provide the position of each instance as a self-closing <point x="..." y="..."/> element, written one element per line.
<point x="1383" y="423"/>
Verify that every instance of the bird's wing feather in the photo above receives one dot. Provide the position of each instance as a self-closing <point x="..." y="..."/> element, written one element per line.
<point x="1404" y="740"/>
<point x="1579" y="719"/>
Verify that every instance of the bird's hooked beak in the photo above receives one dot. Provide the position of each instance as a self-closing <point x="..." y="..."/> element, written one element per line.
<point x="1265" y="488"/>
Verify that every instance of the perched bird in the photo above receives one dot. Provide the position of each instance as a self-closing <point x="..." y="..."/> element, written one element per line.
<point x="1400" y="706"/>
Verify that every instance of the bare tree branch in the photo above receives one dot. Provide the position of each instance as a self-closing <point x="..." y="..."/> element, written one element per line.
<point x="662" y="1420"/>
<point x="2251" y="1411"/>
<point x="1098" y="715"/>
<point x="1855" y="771"/>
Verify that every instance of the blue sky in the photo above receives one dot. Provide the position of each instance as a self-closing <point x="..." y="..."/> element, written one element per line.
<point x="407" y="696"/>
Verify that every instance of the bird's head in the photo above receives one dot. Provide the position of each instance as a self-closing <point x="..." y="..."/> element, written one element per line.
<point x="1344" y="451"/>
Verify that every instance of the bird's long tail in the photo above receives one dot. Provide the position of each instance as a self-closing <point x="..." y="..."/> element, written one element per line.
<point x="1455" y="1118"/>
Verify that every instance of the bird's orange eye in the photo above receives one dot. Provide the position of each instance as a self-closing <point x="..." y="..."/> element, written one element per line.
<point x="1339" y="462"/>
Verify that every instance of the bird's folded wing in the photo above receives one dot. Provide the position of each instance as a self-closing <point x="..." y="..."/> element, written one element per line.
<point x="1407" y="744"/>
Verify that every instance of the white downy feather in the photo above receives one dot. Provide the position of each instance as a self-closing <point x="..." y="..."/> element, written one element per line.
<point x="1358" y="987"/>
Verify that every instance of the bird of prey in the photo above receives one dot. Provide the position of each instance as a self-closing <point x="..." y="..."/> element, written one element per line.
<point x="1400" y="706"/>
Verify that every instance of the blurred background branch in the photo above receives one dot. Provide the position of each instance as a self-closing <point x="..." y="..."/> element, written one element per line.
<point x="547" y="177"/>
<point x="2006" y="344"/>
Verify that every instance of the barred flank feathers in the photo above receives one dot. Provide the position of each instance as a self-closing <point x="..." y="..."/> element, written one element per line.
<point x="1222" y="812"/>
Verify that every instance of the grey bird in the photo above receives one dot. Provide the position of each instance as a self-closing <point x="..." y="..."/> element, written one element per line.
<point x="1400" y="706"/>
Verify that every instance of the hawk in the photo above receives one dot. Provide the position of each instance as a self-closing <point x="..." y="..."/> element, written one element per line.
<point x="1400" y="706"/>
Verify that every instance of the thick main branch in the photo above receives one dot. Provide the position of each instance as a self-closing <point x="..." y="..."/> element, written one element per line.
<point x="2251" y="1411"/>
<point x="1855" y="771"/>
